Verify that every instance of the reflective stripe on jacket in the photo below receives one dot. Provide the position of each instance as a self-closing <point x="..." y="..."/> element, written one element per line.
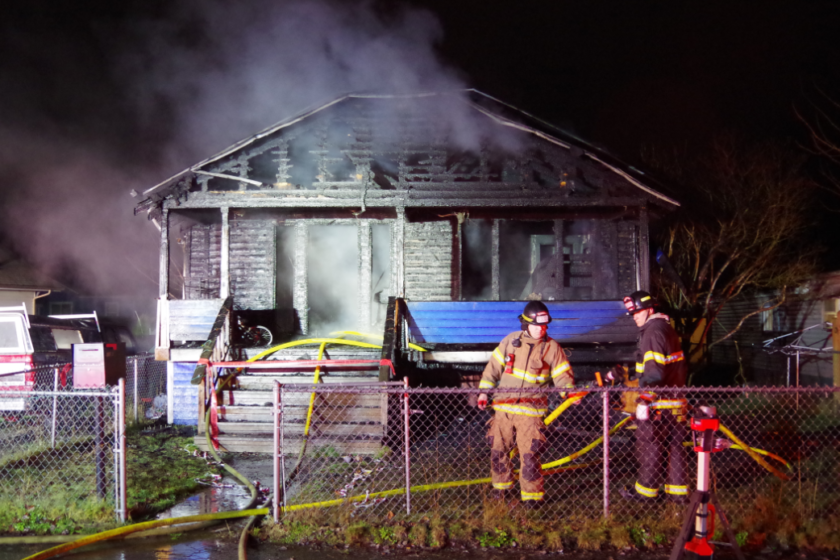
<point x="660" y="361"/>
<point x="536" y="364"/>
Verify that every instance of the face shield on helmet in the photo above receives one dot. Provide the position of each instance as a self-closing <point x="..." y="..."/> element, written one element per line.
<point x="639" y="301"/>
<point x="535" y="313"/>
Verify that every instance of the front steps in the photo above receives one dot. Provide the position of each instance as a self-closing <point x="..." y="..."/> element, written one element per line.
<point x="349" y="423"/>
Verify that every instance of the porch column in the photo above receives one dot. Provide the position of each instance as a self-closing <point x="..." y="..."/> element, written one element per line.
<point x="398" y="254"/>
<point x="559" y="262"/>
<point x="224" y="259"/>
<point x="300" y="294"/>
<point x="163" y="282"/>
<point x="162" y="322"/>
<point x="644" y="249"/>
<point x="494" y="260"/>
<point x="365" y="272"/>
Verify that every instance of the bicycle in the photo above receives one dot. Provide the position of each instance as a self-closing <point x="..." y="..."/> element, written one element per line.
<point x="253" y="336"/>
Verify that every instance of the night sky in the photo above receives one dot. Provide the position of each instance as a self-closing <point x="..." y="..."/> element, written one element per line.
<point x="97" y="98"/>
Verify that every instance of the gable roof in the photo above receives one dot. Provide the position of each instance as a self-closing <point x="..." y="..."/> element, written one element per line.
<point x="231" y="164"/>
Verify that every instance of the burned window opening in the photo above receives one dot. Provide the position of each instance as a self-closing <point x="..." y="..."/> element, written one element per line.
<point x="529" y="267"/>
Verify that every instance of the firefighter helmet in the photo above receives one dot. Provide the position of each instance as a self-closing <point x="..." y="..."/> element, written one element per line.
<point x="639" y="301"/>
<point x="535" y="313"/>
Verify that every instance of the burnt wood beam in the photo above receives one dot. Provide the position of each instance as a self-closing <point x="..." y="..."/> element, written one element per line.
<point x="390" y="199"/>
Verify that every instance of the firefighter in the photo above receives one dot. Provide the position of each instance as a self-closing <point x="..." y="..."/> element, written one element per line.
<point x="660" y="419"/>
<point x="524" y="360"/>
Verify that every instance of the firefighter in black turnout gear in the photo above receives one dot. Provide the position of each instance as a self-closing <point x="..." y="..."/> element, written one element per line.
<point x="660" y="419"/>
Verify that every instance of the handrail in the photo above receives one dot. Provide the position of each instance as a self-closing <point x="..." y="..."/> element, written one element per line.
<point x="210" y="345"/>
<point x="392" y="337"/>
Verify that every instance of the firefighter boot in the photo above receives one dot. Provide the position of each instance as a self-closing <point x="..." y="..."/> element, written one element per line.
<point x="532" y="505"/>
<point x="634" y="496"/>
<point x="501" y="495"/>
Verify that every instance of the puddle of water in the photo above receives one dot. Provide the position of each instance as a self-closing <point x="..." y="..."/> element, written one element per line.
<point x="230" y="495"/>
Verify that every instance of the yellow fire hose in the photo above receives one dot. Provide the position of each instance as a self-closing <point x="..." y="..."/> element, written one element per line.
<point x="588" y="448"/>
<point x="755" y="449"/>
<point x="377" y="337"/>
<point x="294" y="343"/>
<point x="754" y="454"/>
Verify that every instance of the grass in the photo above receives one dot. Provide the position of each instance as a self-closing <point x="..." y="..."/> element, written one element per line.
<point x="53" y="491"/>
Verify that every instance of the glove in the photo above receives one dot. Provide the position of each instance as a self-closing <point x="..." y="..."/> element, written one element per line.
<point x="617" y="374"/>
<point x="482" y="401"/>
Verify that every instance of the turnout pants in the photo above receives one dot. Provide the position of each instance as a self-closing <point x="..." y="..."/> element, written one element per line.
<point x="528" y="434"/>
<point x="659" y="442"/>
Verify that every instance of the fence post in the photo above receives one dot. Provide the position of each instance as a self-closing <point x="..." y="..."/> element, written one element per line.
<point x="275" y="413"/>
<point x="136" y="395"/>
<point x="606" y="408"/>
<point x="406" y="414"/>
<point x="282" y="443"/>
<point x="55" y="398"/>
<point x="120" y="451"/>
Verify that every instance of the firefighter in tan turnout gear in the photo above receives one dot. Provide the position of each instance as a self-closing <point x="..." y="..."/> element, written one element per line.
<point x="660" y="419"/>
<point x="523" y="361"/>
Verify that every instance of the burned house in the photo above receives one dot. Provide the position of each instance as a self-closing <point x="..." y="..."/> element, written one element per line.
<point x="454" y="208"/>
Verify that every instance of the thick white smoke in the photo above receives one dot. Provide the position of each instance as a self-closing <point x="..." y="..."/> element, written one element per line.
<point x="253" y="63"/>
<point x="148" y="95"/>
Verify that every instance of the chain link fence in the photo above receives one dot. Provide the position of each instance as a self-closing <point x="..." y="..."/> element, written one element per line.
<point x="62" y="443"/>
<point x="145" y="389"/>
<point x="355" y="450"/>
<point x="67" y="441"/>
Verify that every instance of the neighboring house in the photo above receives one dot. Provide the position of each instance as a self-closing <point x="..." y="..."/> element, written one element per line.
<point x="787" y="345"/>
<point x="21" y="283"/>
<point x="314" y="224"/>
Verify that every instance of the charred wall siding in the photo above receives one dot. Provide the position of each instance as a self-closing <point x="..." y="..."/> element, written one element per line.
<point x="626" y="250"/>
<point x="428" y="261"/>
<point x="203" y="258"/>
<point x="252" y="263"/>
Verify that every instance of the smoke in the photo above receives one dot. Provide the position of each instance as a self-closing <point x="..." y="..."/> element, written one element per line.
<point x="138" y="93"/>
<point x="228" y="70"/>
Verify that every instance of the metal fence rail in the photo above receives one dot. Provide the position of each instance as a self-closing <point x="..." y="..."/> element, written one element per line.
<point x="371" y="464"/>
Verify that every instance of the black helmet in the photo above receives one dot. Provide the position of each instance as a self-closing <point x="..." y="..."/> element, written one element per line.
<point x="639" y="301"/>
<point x="532" y="311"/>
